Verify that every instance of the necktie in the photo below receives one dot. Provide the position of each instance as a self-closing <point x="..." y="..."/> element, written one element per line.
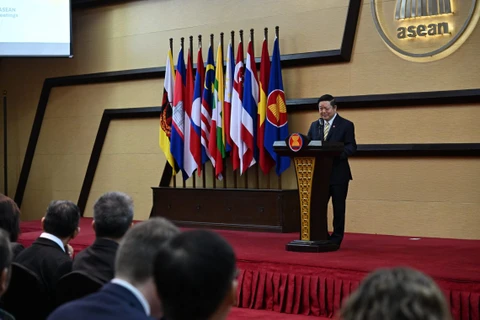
<point x="326" y="128"/>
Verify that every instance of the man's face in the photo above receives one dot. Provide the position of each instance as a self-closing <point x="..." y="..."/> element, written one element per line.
<point x="326" y="110"/>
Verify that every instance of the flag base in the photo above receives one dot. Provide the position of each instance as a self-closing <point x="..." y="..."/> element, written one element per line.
<point x="311" y="246"/>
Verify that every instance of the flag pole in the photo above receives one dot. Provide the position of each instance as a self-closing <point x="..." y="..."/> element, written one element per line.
<point x="242" y="48"/>
<point x="204" y="181"/>
<point x="246" y="171"/>
<point x="190" y="60"/>
<point x="182" y="42"/>
<point x="174" y="176"/>
<point x="232" y="40"/>
<point x="214" y="182"/>
<point x="277" y="32"/>
<point x="224" y="160"/>
<point x="265" y="34"/>
<point x="257" y="171"/>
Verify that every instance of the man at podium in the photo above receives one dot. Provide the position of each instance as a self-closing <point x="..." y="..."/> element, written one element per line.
<point x="332" y="127"/>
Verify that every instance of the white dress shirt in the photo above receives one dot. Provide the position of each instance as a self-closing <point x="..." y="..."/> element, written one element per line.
<point x="55" y="239"/>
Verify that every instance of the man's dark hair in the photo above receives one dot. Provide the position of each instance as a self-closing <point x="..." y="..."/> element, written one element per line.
<point x="398" y="293"/>
<point x="329" y="98"/>
<point x="113" y="215"/>
<point x="9" y="217"/>
<point x="138" y="248"/>
<point x="194" y="272"/>
<point x="6" y="254"/>
<point x="62" y="218"/>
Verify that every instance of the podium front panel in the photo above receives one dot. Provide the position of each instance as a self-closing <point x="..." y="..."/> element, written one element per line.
<point x="304" y="167"/>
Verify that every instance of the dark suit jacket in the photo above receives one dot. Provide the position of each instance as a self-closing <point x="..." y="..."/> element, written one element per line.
<point x="111" y="302"/>
<point x="47" y="260"/>
<point x="98" y="260"/>
<point x="342" y="130"/>
<point x="16" y="248"/>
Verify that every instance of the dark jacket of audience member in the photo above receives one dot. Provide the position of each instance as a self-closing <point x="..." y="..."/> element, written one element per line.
<point x="195" y="275"/>
<point x="6" y="257"/>
<point x="398" y="293"/>
<point x="132" y="293"/>
<point x="98" y="260"/>
<point x="112" y="216"/>
<point x="10" y="222"/>
<point x="48" y="257"/>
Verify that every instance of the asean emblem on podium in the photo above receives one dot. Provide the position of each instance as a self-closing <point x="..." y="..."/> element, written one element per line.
<point x="425" y="30"/>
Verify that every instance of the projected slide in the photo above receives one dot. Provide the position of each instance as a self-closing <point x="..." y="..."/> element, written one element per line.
<point x="35" y="28"/>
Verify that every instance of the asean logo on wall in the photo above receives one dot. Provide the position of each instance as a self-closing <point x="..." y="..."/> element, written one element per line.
<point x="425" y="30"/>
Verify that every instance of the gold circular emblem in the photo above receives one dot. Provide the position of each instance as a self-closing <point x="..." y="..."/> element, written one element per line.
<point x="425" y="30"/>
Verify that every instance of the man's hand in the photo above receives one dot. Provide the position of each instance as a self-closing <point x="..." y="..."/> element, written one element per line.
<point x="70" y="250"/>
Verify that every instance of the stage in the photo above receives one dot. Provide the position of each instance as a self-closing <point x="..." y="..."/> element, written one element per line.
<point x="315" y="283"/>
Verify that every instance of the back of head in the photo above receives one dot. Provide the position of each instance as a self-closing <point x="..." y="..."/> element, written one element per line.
<point x="194" y="273"/>
<point x="9" y="217"/>
<point x="396" y="294"/>
<point x="138" y="248"/>
<point x="62" y="218"/>
<point x="113" y="215"/>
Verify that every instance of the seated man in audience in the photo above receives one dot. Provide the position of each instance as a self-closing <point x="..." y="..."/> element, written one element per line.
<point x="50" y="256"/>
<point x="10" y="222"/>
<point x="399" y="293"/>
<point x="5" y="262"/>
<point x="131" y="294"/>
<point x="195" y="275"/>
<point x="112" y="216"/>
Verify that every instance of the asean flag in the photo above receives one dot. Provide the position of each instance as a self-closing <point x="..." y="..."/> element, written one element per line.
<point x="276" y="126"/>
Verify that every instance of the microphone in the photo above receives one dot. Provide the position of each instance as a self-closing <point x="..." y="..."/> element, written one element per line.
<point x="320" y="129"/>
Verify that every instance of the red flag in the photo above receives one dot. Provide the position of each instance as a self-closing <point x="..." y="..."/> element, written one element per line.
<point x="264" y="159"/>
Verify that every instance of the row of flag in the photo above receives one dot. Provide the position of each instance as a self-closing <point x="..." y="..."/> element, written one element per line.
<point x="216" y="114"/>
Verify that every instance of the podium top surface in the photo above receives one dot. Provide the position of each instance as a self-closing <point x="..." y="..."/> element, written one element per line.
<point x="314" y="148"/>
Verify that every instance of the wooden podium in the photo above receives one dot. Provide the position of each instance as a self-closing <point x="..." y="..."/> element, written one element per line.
<point x="313" y="165"/>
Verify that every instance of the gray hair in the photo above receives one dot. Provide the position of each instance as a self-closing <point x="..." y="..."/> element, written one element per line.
<point x="113" y="214"/>
<point x="137" y="250"/>
<point x="398" y="293"/>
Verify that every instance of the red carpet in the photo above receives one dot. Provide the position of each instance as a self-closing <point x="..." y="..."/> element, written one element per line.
<point x="316" y="283"/>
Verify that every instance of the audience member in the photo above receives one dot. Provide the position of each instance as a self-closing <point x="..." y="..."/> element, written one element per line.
<point x="195" y="275"/>
<point x="10" y="222"/>
<point x="6" y="257"/>
<point x="396" y="294"/>
<point x="131" y="294"/>
<point x="112" y="216"/>
<point x="50" y="256"/>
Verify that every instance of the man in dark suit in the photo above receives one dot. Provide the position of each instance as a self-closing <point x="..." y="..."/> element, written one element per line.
<point x="132" y="293"/>
<point x="332" y="127"/>
<point x="112" y="216"/>
<point x="49" y="257"/>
